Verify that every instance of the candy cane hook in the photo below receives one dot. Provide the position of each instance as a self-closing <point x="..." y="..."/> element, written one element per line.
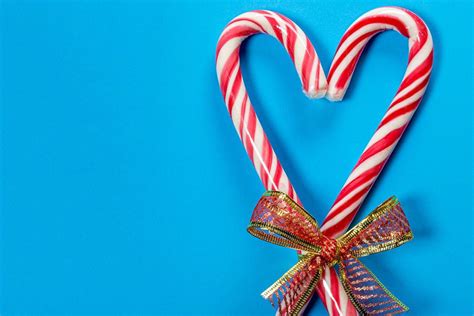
<point x="399" y="113"/>
<point x="390" y="130"/>
<point x="307" y="65"/>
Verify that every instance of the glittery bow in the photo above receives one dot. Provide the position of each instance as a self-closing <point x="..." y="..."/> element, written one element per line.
<point x="280" y="220"/>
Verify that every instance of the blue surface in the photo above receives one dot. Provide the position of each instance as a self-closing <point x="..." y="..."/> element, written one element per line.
<point x="125" y="189"/>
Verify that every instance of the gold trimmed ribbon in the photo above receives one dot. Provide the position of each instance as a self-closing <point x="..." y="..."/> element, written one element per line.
<point x="280" y="220"/>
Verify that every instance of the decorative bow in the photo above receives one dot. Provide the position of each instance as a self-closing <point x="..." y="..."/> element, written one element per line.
<point x="280" y="220"/>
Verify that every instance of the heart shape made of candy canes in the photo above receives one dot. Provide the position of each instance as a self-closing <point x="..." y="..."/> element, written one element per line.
<point x="315" y="85"/>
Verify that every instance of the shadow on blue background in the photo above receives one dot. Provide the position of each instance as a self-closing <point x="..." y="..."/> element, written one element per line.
<point x="125" y="189"/>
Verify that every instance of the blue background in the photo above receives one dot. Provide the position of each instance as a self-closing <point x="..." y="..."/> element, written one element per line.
<point x="125" y="189"/>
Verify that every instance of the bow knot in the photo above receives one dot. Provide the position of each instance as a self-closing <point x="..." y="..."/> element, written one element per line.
<point x="280" y="220"/>
<point x="330" y="250"/>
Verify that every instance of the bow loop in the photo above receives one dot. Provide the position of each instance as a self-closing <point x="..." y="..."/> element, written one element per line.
<point x="291" y="292"/>
<point x="280" y="220"/>
<point x="367" y="293"/>
<point x="383" y="229"/>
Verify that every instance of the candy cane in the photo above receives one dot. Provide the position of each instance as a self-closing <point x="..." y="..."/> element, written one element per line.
<point x="393" y="124"/>
<point x="238" y="103"/>
<point x="243" y="115"/>
<point x="399" y="113"/>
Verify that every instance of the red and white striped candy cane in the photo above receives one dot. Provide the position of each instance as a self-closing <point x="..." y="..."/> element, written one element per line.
<point x="238" y="103"/>
<point x="239" y="106"/>
<point x="399" y="113"/>
<point x="393" y="124"/>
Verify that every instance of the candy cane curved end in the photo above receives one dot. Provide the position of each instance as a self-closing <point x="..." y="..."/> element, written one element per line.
<point x="399" y="113"/>
<point x="235" y="94"/>
<point x="288" y="33"/>
<point x="367" y="26"/>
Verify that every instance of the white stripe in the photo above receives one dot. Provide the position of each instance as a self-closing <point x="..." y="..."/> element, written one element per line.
<point x="233" y="24"/>
<point x="300" y="52"/>
<point x="415" y="97"/>
<point x="355" y="35"/>
<point x="323" y="84"/>
<point x="383" y="131"/>
<point x="335" y="93"/>
<point x="258" y="150"/>
<point x="262" y="20"/>
<point x="370" y="163"/>
<point x="300" y="43"/>
<point x="225" y="53"/>
<point x="312" y="89"/>
<point x="245" y="132"/>
<point x="282" y="26"/>
<point x="410" y="87"/>
<point x="284" y="184"/>
<point x="350" y="195"/>
<point x="237" y="107"/>
<point x="343" y="299"/>
<point x="273" y="169"/>
<point x="421" y="56"/>
<point x="342" y="215"/>
<point x="230" y="83"/>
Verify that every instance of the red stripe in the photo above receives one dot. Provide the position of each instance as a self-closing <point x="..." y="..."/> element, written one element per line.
<point x="380" y="145"/>
<point x="229" y="66"/>
<point x="422" y="34"/>
<point x="234" y="90"/>
<point x="307" y="66"/>
<point x="363" y="178"/>
<point x="237" y="31"/>
<point x="308" y="58"/>
<point x="275" y="27"/>
<point x="318" y="73"/>
<point x="278" y="173"/>
<point x="346" y="74"/>
<point x="420" y="86"/>
<point x="334" y="290"/>
<point x="267" y="158"/>
<point x="364" y="22"/>
<point x="357" y="182"/>
<point x="401" y="111"/>
<point x="243" y="19"/>
<point x="349" y="202"/>
<point x="336" y="230"/>
<point x="385" y="19"/>
<point x="377" y="19"/>
<point x="242" y="115"/>
<point x="290" y="35"/>
<point x="418" y="72"/>
<point x="349" y="48"/>
<point x="291" y="191"/>
<point x="290" y="43"/>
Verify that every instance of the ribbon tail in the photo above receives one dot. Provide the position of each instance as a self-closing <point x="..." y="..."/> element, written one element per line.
<point x="291" y="293"/>
<point x="367" y="293"/>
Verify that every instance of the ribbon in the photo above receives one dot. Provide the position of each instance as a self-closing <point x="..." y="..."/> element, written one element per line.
<point x="280" y="220"/>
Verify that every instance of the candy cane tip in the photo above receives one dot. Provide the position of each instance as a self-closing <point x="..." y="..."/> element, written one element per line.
<point x="335" y="95"/>
<point x="314" y="93"/>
